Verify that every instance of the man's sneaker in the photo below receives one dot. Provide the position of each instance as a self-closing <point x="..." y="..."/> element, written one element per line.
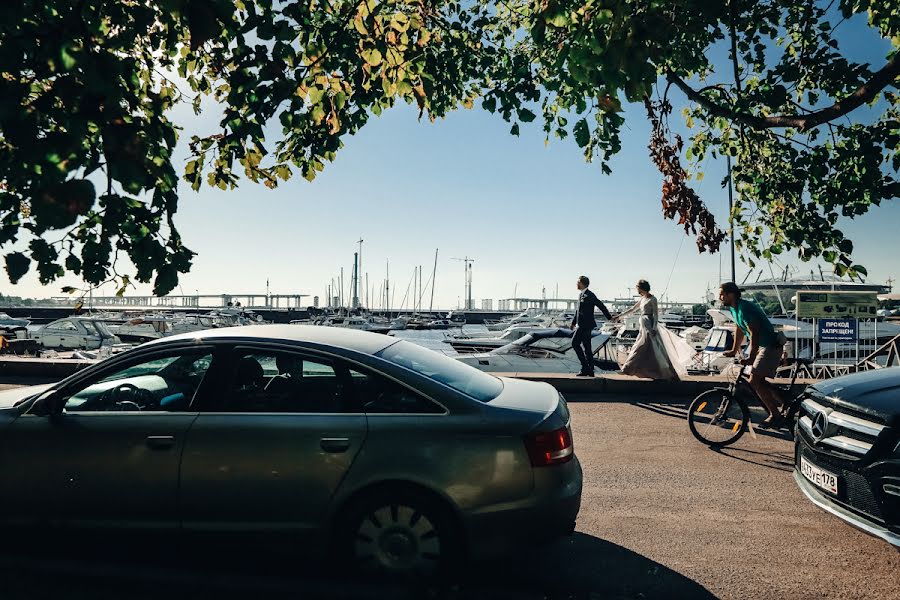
<point x="582" y="374"/>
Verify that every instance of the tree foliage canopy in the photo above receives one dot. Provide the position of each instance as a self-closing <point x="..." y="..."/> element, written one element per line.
<point x="87" y="89"/>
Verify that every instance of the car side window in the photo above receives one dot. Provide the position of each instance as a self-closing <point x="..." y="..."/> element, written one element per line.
<point x="381" y="395"/>
<point x="67" y="326"/>
<point x="275" y="381"/>
<point x="165" y="383"/>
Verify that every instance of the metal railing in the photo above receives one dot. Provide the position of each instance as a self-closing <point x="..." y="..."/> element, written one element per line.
<point x="890" y="350"/>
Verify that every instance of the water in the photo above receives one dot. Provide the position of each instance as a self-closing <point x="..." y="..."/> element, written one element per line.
<point x="433" y="339"/>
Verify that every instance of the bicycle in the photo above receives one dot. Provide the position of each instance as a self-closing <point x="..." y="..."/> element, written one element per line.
<point x="720" y="416"/>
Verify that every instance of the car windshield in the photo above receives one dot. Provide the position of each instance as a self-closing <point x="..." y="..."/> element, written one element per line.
<point x="452" y="373"/>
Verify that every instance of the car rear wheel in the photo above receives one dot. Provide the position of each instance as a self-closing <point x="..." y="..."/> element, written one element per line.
<point x="399" y="534"/>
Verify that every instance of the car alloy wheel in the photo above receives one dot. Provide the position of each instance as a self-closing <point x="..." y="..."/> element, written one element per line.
<point x="397" y="539"/>
<point x="400" y="533"/>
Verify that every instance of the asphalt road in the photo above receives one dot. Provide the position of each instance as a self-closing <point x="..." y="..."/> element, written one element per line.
<point x="662" y="517"/>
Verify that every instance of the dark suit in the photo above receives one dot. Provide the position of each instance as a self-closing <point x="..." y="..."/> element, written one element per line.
<point x="584" y="319"/>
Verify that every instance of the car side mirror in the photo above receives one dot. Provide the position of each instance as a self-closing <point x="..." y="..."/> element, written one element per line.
<point x="48" y="404"/>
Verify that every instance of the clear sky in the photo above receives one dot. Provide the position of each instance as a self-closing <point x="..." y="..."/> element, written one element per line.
<point x="531" y="215"/>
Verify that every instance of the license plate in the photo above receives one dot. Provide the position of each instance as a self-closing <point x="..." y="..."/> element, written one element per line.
<point x="821" y="478"/>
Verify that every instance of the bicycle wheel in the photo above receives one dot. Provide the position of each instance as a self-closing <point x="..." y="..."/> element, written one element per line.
<point x="718" y="418"/>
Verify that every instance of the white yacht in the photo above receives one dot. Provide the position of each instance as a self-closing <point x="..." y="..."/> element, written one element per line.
<point x="144" y="328"/>
<point x="8" y="322"/>
<point x="357" y="322"/>
<point x="469" y="343"/>
<point x="541" y="351"/>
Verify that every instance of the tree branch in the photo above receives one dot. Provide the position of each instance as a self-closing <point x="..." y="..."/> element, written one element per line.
<point x="864" y="94"/>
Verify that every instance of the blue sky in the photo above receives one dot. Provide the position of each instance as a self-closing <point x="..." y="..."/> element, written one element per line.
<point x="531" y="215"/>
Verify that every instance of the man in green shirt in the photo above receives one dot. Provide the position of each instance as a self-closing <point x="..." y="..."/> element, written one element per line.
<point x="766" y="348"/>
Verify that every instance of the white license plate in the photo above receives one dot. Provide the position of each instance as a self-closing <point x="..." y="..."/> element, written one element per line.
<point x="823" y="479"/>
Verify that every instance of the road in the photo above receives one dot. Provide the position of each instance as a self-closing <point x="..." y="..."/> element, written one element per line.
<point x="662" y="517"/>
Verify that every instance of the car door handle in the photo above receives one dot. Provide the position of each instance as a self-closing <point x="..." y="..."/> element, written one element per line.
<point x="335" y="445"/>
<point x="160" y="442"/>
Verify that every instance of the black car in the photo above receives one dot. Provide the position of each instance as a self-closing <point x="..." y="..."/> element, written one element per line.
<point x="847" y="453"/>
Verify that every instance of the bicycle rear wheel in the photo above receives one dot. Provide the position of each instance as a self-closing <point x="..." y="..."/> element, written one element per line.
<point x="718" y="418"/>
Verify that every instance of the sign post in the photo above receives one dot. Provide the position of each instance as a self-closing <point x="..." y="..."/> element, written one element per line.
<point x="836" y="305"/>
<point x="836" y="316"/>
<point x="838" y="330"/>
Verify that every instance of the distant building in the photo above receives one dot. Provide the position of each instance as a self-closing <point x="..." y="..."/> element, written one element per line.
<point x="487" y="304"/>
<point x="503" y="305"/>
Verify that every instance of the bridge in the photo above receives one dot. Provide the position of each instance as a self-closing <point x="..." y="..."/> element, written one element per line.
<point x="193" y="301"/>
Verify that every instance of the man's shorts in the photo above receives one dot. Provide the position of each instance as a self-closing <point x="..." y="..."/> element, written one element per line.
<point x="767" y="360"/>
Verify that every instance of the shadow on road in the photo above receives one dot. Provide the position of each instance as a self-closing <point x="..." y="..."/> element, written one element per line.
<point x="782" y="461"/>
<point x="677" y="411"/>
<point x="575" y="568"/>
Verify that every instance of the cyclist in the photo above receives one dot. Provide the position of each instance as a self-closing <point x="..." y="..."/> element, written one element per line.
<point x="766" y="348"/>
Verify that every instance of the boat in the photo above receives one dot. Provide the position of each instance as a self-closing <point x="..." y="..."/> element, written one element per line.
<point x="541" y="351"/>
<point x="399" y="323"/>
<point x="360" y="323"/>
<point x="527" y="317"/>
<point x="144" y="328"/>
<point x="457" y="318"/>
<point x="78" y="333"/>
<point x="469" y="343"/>
<point x="10" y="323"/>
<point x="695" y="337"/>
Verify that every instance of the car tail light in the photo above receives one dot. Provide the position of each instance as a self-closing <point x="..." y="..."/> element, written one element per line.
<point x="547" y="448"/>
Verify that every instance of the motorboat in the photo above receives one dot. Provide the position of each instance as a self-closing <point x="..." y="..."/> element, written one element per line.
<point x="457" y="318"/>
<point x="530" y="317"/>
<point x="469" y="343"/>
<point x="146" y="328"/>
<point x="357" y="322"/>
<point x="10" y="323"/>
<point x="541" y="351"/>
<point x="83" y="333"/>
<point x="695" y="337"/>
<point x="399" y="323"/>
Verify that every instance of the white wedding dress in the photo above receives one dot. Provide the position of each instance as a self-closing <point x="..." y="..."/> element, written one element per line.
<point x="656" y="353"/>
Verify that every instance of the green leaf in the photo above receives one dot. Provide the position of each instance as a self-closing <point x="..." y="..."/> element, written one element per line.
<point x="17" y="265"/>
<point x="582" y="133"/>
<point x="526" y="116"/>
<point x="559" y="20"/>
<point x="60" y="205"/>
<point x="514" y="129"/>
<point x="372" y="56"/>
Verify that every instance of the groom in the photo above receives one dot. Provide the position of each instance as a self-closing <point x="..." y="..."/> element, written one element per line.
<point x="585" y="323"/>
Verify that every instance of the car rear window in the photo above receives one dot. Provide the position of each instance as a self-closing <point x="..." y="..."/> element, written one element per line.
<point x="452" y="373"/>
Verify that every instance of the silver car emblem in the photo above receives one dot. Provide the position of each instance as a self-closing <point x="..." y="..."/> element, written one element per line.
<point x="820" y="426"/>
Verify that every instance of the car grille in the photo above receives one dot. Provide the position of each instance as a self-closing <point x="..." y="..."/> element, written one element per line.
<point x="854" y="490"/>
<point x="839" y="432"/>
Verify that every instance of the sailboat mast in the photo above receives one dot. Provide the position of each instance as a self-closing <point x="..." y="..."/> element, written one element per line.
<point x="433" y="276"/>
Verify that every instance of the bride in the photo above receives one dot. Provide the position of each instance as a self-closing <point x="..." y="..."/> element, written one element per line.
<point x="649" y="356"/>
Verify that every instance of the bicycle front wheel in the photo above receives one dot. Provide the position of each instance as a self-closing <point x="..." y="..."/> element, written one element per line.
<point x="718" y="418"/>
